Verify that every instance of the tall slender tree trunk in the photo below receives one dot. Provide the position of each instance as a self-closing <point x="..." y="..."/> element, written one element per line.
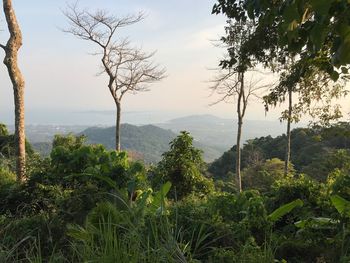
<point x="289" y="120"/>
<point x="240" y="113"/>
<point x="238" y="154"/>
<point x="117" y="127"/>
<point x="11" y="61"/>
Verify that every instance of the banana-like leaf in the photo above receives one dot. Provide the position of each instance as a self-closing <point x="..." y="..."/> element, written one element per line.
<point x="158" y="199"/>
<point x="342" y="205"/>
<point x="317" y="222"/>
<point x="285" y="209"/>
<point x="161" y="194"/>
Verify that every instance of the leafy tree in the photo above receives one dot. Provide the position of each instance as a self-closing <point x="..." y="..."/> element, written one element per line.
<point x="339" y="183"/>
<point x="330" y="161"/>
<point x="299" y="26"/>
<point x="81" y="163"/>
<point x="231" y="81"/>
<point x="314" y="151"/>
<point x="70" y="141"/>
<point x="262" y="176"/>
<point x="316" y="92"/>
<point x="8" y="146"/>
<point x="183" y="166"/>
<point x="11" y="56"/>
<point x="296" y="31"/>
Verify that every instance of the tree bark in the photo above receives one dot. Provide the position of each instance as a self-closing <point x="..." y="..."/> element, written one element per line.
<point x="11" y="61"/>
<point x="240" y="112"/>
<point x="238" y="154"/>
<point x="289" y="120"/>
<point x="117" y="126"/>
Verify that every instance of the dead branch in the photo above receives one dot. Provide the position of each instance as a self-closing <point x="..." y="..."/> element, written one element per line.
<point x="98" y="26"/>
<point x="129" y="69"/>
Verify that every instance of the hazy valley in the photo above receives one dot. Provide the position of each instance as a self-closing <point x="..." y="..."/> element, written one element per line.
<point x="213" y="135"/>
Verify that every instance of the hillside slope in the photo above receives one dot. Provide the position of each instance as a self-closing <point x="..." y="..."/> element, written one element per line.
<point x="310" y="149"/>
<point x="147" y="142"/>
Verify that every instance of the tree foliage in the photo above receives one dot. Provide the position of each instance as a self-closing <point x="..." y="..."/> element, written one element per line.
<point x="298" y="26"/>
<point x="312" y="33"/>
<point x="315" y="151"/>
<point x="183" y="166"/>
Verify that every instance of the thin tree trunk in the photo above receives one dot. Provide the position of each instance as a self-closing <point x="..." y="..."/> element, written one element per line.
<point x="289" y="120"/>
<point x="240" y="113"/>
<point x="117" y="127"/>
<point x="11" y="61"/>
<point x="238" y="154"/>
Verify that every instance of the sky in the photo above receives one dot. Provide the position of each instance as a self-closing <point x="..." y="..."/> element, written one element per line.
<point x="60" y="73"/>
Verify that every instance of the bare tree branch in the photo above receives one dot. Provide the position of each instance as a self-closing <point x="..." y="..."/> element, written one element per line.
<point x="129" y="69"/>
<point x="98" y="26"/>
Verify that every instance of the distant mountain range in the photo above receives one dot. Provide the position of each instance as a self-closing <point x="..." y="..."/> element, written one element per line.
<point x="212" y="134"/>
<point x="220" y="133"/>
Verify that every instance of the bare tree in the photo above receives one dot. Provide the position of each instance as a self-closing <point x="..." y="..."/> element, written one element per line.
<point x="11" y="48"/>
<point x="232" y="85"/>
<point x="129" y="69"/>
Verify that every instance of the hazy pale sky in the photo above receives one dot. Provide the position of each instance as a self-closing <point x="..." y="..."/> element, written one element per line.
<point x="61" y="75"/>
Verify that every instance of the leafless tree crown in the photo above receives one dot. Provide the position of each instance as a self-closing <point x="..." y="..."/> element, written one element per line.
<point x="98" y="26"/>
<point x="227" y="84"/>
<point x="129" y="68"/>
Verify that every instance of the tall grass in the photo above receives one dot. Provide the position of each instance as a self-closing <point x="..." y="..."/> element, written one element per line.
<point x="115" y="237"/>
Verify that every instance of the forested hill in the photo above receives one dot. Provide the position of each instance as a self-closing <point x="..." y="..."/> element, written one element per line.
<point x="314" y="151"/>
<point x="146" y="142"/>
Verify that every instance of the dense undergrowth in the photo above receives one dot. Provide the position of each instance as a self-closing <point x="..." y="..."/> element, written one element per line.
<point x="87" y="204"/>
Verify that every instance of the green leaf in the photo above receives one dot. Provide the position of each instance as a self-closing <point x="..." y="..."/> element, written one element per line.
<point x="345" y="70"/>
<point x="77" y="232"/>
<point x="321" y="7"/>
<point x="158" y="202"/>
<point x="291" y="13"/>
<point x="343" y="53"/>
<point x="318" y="35"/>
<point x="159" y="197"/>
<point x="334" y="76"/>
<point x="143" y="199"/>
<point x="342" y="205"/>
<point x="285" y="209"/>
<point x="316" y="222"/>
<point x="343" y="30"/>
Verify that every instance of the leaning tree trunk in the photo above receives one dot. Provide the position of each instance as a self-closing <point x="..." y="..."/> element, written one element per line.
<point x="11" y="50"/>
<point x="289" y="120"/>
<point x="117" y="126"/>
